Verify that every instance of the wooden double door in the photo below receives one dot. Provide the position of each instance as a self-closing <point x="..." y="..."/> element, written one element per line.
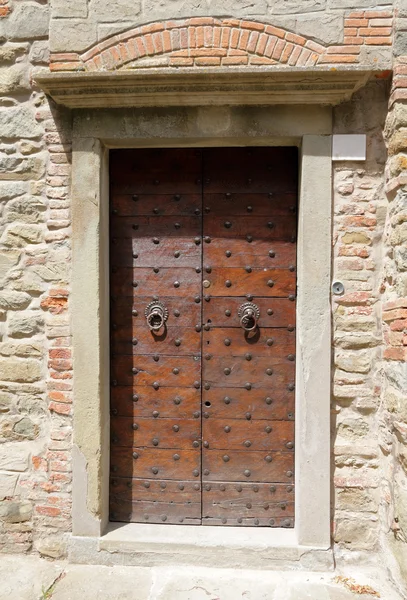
<point x="203" y="285"/>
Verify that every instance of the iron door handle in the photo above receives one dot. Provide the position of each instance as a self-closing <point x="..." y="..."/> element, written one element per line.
<point x="249" y="314"/>
<point x="156" y="315"/>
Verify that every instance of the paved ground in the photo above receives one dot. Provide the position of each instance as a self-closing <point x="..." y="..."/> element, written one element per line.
<point x="30" y="578"/>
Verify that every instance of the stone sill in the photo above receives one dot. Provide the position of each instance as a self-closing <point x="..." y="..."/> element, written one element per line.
<point x="152" y="545"/>
<point x="192" y="87"/>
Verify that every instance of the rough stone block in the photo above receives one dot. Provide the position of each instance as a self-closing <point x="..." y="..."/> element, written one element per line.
<point x="69" y="8"/>
<point x="18" y="122"/>
<point x="20" y="235"/>
<point x="28" y="21"/>
<point x="327" y="28"/>
<point x="14" y="458"/>
<point x="24" y="371"/>
<point x="352" y="429"/>
<point x="354" y="499"/>
<point x="22" y="326"/>
<point x="8" y="258"/>
<point x="293" y="6"/>
<point x="360" y="534"/>
<point x="10" y="300"/>
<point x="25" y="210"/>
<point x="72" y="35"/>
<point x="14" y="79"/>
<point x="120" y="10"/>
<point x="39" y="53"/>
<point x="8" y="484"/>
<point x="10" y="52"/>
<point x="15" y="512"/>
<point x="354" y="362"/>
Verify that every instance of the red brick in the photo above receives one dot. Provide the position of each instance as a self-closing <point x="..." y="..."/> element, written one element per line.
<point x="231" y="23"/>
<point x="359" y="221"/>
<point x="49" y="511"/>
<point x="140" y="46"/>
<point x="304" y="56"/>
<point x="355" y="298"/>
<point x="59" y="385"/>
<point x="148" y="43"/>
<point x="200" y="37"/>
<point x="167" y="47"/>
<point x="191" y="37"/>
<point x="183" y="38"/>
<point x="296" y="39"/>
<point x="62" y="477"/>
<point x="251" y="46"/>
<point x="124" y="53"/>
<point x="356" y="22"/>
<point x="181" y="62"/>
<point x="350" y="31"/>
<point x="243" y="39"/>
<point x="234" y="38"/>
<point x="375" y="31"/>
<point x="60" y="466"/>
<point x="353" y="40"/>
<point x="60" y="353"/>
<point x="208" y="37"/>
<point x="295" y="55"/>
<point x="201" y="21"/>
<point x="68" y="66"/>
<point x="183" y="53"/>
<point x="343" y="50"/>
<point x="60" y="408"/>
<point x="261" y="60"/>
<point x="341" y="59"/>
<point x="65" y="57"/>
<point x="380" y="22"/>
<point x="39" y="463"/>
<point x="216" y="37"/>
<point x="233" y="52"/>
<point x="225" y="37"/>
<point x="399" y="325"/>
<point x="54" y="305"/>
<point x="4" y="11"/>
<point x="58" y="396"/>
<point x="315" y="47"/>
<point x="235" y="60"/>
<point x="280" y="33"/>
<point x="373" y="14"/>
<point x="158" y="42"/>
<point x="252" y="25"/>
<point x="378" y="41"/>
<point x="207" y="52"/>
<point x="209" y="61"/>
<point x="287" y="53"/>
<point x="399" y="353"/>
<point x="356" y="14"/>
<point x="262" y="43"/>
<point x="278" y="50"/>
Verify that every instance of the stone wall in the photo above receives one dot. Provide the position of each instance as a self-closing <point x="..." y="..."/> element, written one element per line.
<point x="393" y="416"/>
<point x="369" y="412"/>
<point x="359" y="218"/>
<point x="35" y="361"/>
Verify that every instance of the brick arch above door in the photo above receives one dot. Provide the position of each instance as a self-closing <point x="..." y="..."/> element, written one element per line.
<point x="209" y="42"/>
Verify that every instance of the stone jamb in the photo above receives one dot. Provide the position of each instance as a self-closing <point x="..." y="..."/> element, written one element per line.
<point x="90" y="325"/>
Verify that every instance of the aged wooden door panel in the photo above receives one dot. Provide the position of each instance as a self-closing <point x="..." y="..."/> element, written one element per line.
<point x="156" y="230"/>
<point x="249" y="229"/>
<point x="210" y="234"/>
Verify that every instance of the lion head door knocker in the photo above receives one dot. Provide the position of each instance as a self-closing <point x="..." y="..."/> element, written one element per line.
<point x="249" y="314"/>
<point x="156" y="315"/>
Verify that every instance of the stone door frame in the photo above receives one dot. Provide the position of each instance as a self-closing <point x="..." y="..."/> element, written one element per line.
<point x="94" y="539"/>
